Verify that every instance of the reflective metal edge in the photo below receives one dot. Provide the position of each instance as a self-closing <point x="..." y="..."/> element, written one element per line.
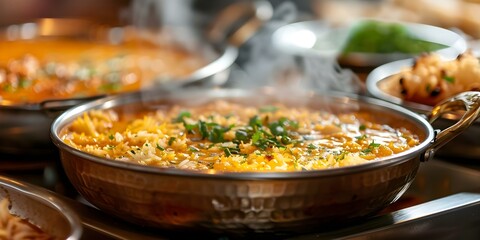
<point x="401" y="223"/>
<point x="443" y="215"/>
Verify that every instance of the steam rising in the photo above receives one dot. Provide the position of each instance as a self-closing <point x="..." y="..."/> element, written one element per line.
<point x="291" y="75"/>
<point x="260" y="63"/>
<point x="173" y="20"/>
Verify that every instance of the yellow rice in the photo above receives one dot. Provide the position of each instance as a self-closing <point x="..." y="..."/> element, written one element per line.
<point x="305" y="139"/>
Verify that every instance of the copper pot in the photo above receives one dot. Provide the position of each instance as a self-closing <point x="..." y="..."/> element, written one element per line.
<point x="259" y="202"/>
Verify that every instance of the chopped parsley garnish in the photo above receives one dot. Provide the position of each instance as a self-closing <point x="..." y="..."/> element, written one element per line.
<point x="449" y="79"/>
<point x="213" y="131"/>
<point x="370" y="147"/>
<point x="109" y="87"/>
<point x="267" y="109"/>
<point x="241" y="135"/>
<point x="362" y="127"/>
<point x="227" y="152"/>
<point x="259" y="132"/>
<point x="311" y="146"/>
<point x="255" y="122"/>
<point x="341" y="156"/>
<point x="111" y="137"/>
<point x="194" y="149"/>
<point x="181" y="116"/>
<point x="24" y="82"/>
<point x="171" y="140"/>
<point x="160" y="148"/>
<point x="232" y="150"/>
<point x="363" y="137"/>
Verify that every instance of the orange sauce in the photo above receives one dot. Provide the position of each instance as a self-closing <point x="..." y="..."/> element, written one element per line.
<point x="32" y="71"/>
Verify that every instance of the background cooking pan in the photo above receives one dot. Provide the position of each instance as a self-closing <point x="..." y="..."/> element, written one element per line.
<point x="25" y="127"/>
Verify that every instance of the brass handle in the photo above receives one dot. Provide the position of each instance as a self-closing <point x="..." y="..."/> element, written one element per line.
<point x="54" y="107"/>
<point x="468" y="101"/>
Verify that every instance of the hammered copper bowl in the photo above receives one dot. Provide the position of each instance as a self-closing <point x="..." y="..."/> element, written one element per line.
<point x="26" y="126"/>
<point x="41" y="208"/>
<point x="246" y="202"/>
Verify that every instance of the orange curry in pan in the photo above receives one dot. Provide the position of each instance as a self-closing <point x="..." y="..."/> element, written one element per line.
<point x="32" y="71"/>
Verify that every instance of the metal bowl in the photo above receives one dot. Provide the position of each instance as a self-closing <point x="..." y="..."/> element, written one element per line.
<point x="41" y="208"/>
<point x="320" y="39"/>
<point x="467" y="145"/>
<point x="246" y="202"/>
<point x="27" y="126"/>
<point x="382" y="73"/>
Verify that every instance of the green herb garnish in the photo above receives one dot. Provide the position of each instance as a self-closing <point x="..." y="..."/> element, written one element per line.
<point x="370" y="147"/>
<point x="341" y="156"/>
<point x="160" y="148"/>
<point x="363" y="137"/>
<point x="24" y="82"/>
<point x="260" y="132"/>
<point x="267" y="109"/>
<point x="255" y="122"/>
<point x="110" y="87"/>
<point x="194" y="149"/>
<point x="241" y="135"/>
<point x="227" y="152"/>
<point x="171" y="140"/>
<point x="449" y="79"/>
<point x="181" y="116"/>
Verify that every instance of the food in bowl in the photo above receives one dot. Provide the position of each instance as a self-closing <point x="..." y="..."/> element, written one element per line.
<point x="371" y="36"/>
<point x="366" y="43"/>
<point x="35" y="70"/>
<point x="432" y="79"/>
<point x="228" y="136"/>
<point x="14" y="227"/>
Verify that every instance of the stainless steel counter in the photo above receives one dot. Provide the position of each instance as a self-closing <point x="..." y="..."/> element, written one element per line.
<point x="442" y="203"/>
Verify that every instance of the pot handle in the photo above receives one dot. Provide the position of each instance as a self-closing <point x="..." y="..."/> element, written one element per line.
<point x="467" y="101"/>
<point x="55" y="106"/>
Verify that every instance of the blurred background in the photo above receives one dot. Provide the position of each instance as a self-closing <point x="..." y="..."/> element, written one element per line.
<point x="222" y="17"/>
<point x="461" y="14"/>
